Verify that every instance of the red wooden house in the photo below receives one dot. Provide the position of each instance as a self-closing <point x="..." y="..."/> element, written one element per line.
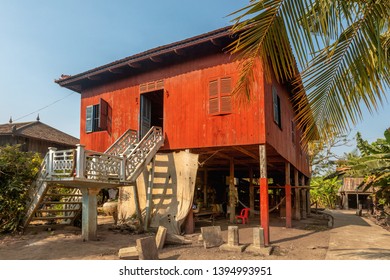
<point x="185" y="88"/>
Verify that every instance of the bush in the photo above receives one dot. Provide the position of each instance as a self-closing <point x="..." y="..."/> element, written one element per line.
<point x="17" y="172"/>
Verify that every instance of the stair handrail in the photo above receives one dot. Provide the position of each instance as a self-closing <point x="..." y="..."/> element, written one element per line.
<point x="102" y="167"/>
<point x="143" y="152"/>
<point x="122" y="144"/>
<point x="35" y="193"/>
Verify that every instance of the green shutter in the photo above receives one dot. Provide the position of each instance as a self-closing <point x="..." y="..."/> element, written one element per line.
<point x="89" y="119"/>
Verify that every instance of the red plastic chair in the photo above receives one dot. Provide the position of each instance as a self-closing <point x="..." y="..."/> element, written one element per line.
<point x="244" y="215"/>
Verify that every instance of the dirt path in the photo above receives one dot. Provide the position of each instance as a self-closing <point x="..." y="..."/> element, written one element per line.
<point x="357" y="238"/>
<point x="305" y="241"/>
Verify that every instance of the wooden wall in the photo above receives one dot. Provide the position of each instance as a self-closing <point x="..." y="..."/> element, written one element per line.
<point x="187" y="123"/>
<point x="281" y="138"/>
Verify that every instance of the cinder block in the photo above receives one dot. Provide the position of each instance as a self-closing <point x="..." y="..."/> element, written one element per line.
<point x="147" y="248"/>
<point x="211" y="236"/>
<point x="129" y="253"/>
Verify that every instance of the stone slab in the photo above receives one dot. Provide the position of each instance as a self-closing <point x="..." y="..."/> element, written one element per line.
<point x="211" y="236"/>
<point x="232" y="248"/>
<point x="264" y="251"/>
<point x="128" y="253"/>
<point x="147" y="248"/>
<point x="160" y="237"/>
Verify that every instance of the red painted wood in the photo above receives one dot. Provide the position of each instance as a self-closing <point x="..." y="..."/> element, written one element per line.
<point x="264" y="209"/>
<point x="288" y="206"/>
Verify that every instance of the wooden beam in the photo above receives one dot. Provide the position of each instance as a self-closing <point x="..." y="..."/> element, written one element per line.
<point x="179" y="52"/>
<point x="115" y="70"/>
<point x="251" y="194"/>
<point x="288" y="196"/>
<point x="155" y="59"/>
<point x="297" y="195"/>
<point x="246" y="152"/>
<point x="134" y="65"/>
<point x="232" y="191"/>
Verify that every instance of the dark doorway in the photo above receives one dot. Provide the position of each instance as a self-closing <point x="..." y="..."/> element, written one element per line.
<point x="151" y="111"/>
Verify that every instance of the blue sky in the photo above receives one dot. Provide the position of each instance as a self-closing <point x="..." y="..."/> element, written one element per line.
<point x="42" y="39"/>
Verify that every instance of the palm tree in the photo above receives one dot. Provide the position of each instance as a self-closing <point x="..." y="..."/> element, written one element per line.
<point x="338" y="49"/>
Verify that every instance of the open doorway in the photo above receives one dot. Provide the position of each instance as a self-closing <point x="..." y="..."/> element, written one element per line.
<point x="151" y="111"/>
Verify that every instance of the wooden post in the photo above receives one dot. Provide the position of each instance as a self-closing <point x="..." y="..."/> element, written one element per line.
<point x="308" y="198"/>
<point x="288" y="196"/>
<point x="232" y="191"/>
<point x="251" y="194"/>
<point x="205" y="182"/>
<point x="297" y="196"/>
<point x="50" y="165"/>
<point x="304" y="198"/>
<point x="264" y="207"/>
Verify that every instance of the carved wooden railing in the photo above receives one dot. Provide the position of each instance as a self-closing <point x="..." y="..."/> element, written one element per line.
<point x="143" y="153"/>
<point x="90" y="165"/>
<point x="124" y="144"/>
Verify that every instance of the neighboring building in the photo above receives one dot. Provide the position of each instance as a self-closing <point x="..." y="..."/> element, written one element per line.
<point x="185" y="88"/>
<point x="35" y="137"/>
<point x="351" y="195"/>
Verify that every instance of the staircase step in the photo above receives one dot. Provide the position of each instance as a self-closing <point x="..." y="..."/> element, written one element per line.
<point x="61" y="202"/>
<point x="67" y="195"/>
<point x="52" y="218"/>
<point x="55" y="210"/>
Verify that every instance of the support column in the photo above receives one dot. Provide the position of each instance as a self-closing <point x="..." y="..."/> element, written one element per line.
<point x="89" y="213"/>
<point x="308" y="202"/>
<point x="297" y="196"/>
<point x="288" y="196"/>
<point x="251" y="194"/>
<point x="304" y="198"/>
<point x="264" y="206"/>
<point x="232" y="191"/>
<point x="205" y="179"/>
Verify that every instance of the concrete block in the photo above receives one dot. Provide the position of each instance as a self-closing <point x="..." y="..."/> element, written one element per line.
<point x="233" y="241"/>
<point x="147" y="248"/>
<point x="128" y="253"/>
<point x="160" y="237"/>
<point x="266" y="251"/>
<point x="258" y="237"/>
<point x="211" y="236"/>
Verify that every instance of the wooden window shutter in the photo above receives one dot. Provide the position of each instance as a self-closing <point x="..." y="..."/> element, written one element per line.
<point x="213" y="97"/>
<point x="226" y="90"/>
<point x="89" y="119"/>
<point x="103" y="112"/>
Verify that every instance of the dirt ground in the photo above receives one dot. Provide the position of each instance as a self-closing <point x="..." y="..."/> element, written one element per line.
<point x="307" y="240"/>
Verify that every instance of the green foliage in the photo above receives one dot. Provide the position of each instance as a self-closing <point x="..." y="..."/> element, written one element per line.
<point x="323" y="191"/>
<point x="17" y="172"/>
<point x="339" y="50"/>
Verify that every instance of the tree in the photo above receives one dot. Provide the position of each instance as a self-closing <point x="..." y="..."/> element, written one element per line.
<point x="323" y="191"/>
<point x="17" y="172"/>
<point x="338" y="49"/>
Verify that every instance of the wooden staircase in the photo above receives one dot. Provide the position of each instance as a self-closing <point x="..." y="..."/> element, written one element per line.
<point x="55" y="194"/>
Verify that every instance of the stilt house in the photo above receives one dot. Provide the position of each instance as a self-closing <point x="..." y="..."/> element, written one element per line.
<point x="182" y="92"/>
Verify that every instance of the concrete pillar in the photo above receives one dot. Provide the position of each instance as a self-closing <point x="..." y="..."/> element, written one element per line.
<point x="233" y="241"/>
<point x="258" y="237"/>
<point x="264" y="204"/>
<point x="233" y="236"/>
<point x="288" y="195"/>
<point x="89" y="213"/>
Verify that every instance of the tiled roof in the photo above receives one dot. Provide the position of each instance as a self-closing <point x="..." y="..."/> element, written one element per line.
<point x="38" y="130"/>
